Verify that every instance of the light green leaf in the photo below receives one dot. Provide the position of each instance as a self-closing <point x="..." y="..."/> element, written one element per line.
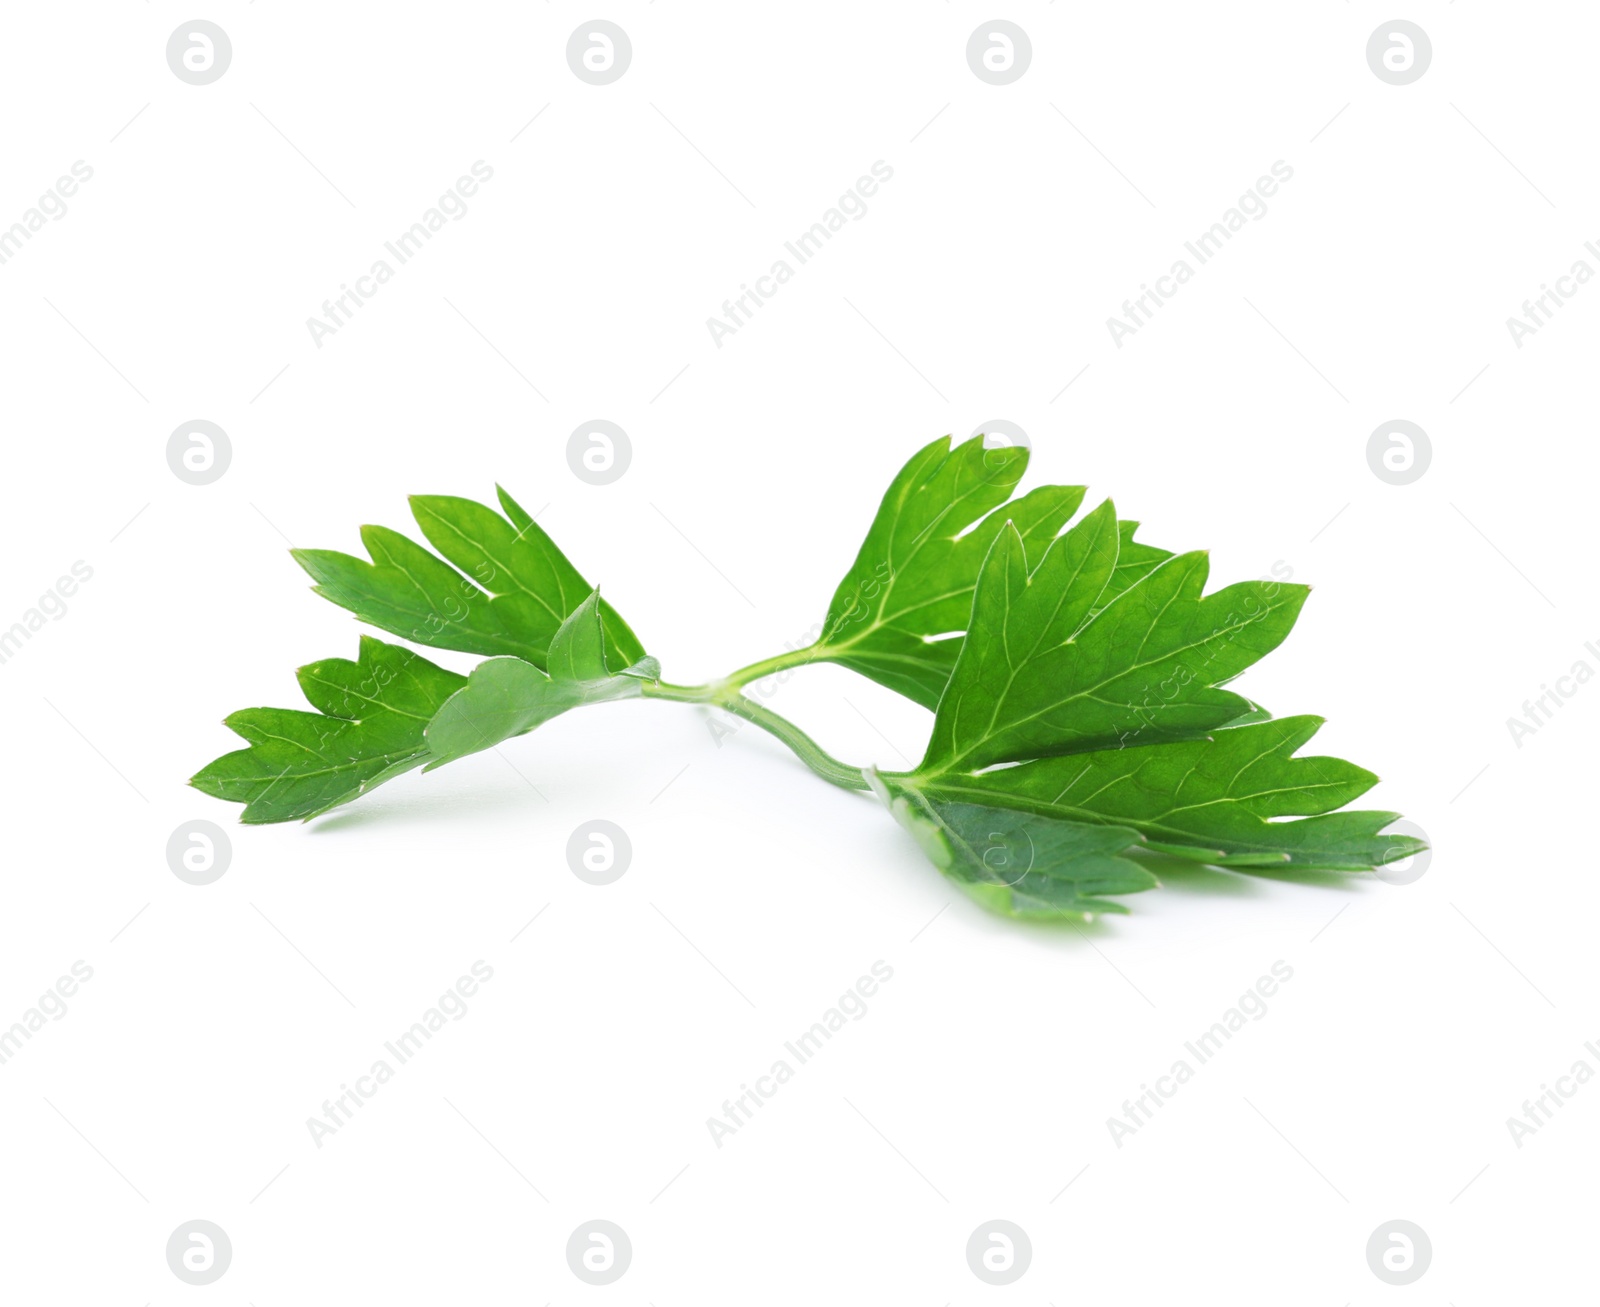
<point x="578" y="648"/>
<point x="367" y="729"/>
<point x="507" y="696"/>
<point x="1135" y="561"/>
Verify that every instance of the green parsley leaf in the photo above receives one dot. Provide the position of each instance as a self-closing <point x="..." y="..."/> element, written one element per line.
<point x="511" y="594"/>
<point x="1017" y="863"/>
<point x="368" y="728"/>
<point x="578" y="648"/>
<point x="509" y="696"/>
<point x="1219" y="799"/>
<point x="900" y="612"/>
<point x="1065" y="705"/>
<point x="1038" y="676"/>
<point x="1077" y="676"/>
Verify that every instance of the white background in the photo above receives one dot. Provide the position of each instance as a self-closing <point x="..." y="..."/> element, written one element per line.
<point x="577" y="286"/>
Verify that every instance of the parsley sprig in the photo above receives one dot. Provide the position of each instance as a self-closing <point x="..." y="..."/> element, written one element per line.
<point x="1075" y="674"/>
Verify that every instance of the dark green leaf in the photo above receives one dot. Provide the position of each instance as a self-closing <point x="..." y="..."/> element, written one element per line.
<point x="1221" y="800"/>
<point x="1018" y="863"/>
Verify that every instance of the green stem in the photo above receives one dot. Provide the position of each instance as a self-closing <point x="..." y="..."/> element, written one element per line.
<point x="725" y="695"/>
<point x="806" y="749"/>
<point x="734" y="681"/>
<point x="770" y="666"/>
